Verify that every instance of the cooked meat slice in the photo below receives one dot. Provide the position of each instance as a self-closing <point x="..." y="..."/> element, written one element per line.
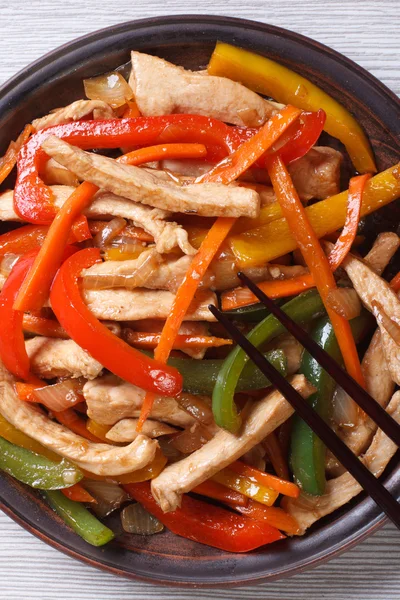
<point x="51" y="357"/>
<point x="263" y="417"/>
<point x="125" y="430"/>
<point x="55" y="174"/>
<point x="101" y="459"/>
<point x="110" y="399"/>
<point x="141" y="185"/>
<point x="385" y="246"/>
<point x="162" y="88"/>
<point x="74" y="112"/>
<point x="167" y="235"/>
<point x="317" y="174"/>
<point x="371" y="288"/>
<point x="307" y="509"/>
<point x="137" y="304"/>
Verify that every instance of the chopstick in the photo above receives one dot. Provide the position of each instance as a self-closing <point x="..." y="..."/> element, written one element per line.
<point x="342" y="378"/>
<point x="355" y="467"/>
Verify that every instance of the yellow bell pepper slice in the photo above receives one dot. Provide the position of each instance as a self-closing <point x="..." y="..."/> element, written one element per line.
<point x="98" y="430"/>
<point x="246" y="486"/>
<point x="13" y="435"/>
<point x="274" y="239"/>
<point x="268" y="77"/>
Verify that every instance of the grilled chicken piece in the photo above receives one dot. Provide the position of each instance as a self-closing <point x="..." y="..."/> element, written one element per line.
<point x="372" y="288"/>
<point x="52" y="357"/>
<point x="74" y="112"/>
<point x="162" y="88"/>
<point x="384" y="248"/>
<point x="141" y="185"/>
<point x="125" y="430"/>
<point x="167" y="235"/>
<point x="101" y="459"/>
<point x="307" y="509"/>
<point x="263" y="417"/>
<point x="110" y="399"/>
<point x="137" y="304"/>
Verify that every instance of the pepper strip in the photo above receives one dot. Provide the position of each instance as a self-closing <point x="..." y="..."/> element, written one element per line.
<point x="8" y="161"/>
<point x="217" y="491"/>
<point x="314" y="256"/>
<point x="246" y="486"/>
<point x="221" y="528"/>
<point x="184" y="297"/>
<point x="272" y="79"/>
<point x="43" y="326"/>
<point x="77" y="493"/>
<point x="287" y="488"/>
<point x="395" y="283"/>
<point x="141" y="339"/>
<point x="163" y="151"/>
<point x="112" y="352"/>
<point x="270" y="514"/>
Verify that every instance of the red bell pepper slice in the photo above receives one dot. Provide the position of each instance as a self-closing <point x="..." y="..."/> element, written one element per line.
<point x="23" y="240"/>
<point x="301" y="136"/>
<point x="206" y="523"/>
<point x="112" y="352"/>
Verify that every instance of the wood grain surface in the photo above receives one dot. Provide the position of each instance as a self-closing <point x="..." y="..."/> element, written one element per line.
<point x="366" y="32"/>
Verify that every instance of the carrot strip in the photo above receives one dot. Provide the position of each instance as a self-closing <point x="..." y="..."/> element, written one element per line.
<point x="307" y="241"/>
<point x="287" y="488"/>
<point x="35" y="289"/>
<point x="185" y="296"/>
<point x="42" y="326"/>
<point x="217" y="491"/>
<point x="77" y="493"/>
<point x="9" y="160"/>
<point x="270" y="514"/>
<point x="346" y="239"/>
<point x="70" y="419"/>
<point x="276" y="457"/>
<point x="151" y="340"/>
<point x="26" y="391"/>
<point x="132" y="110"/>
<point x="395" y="283"/>
<point x="162" y="151"/>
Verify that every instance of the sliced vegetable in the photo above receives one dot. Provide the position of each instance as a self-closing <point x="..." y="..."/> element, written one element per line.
<point x="276" y="456"/>
<point x="77" y="493"/>
<point x="217" y="491"/>
<point x="395" y="283"/>
<point x="287" y="488"/>
<point x="274" y="239"/>
<point x="42" y="326"/>
<point x="302" y="309"/>
<point x="345" y="302"/>
<point x="136" y="519"/>
<point x="70" y="419"/>
<point x="23" y="240"/>
<point x="9" y="160"/>
<point x="60" y="396"/>
<point x="98" y="430"/>
<point x="272" y="79"/>
<point x="184" y="297"/>
<point x="79" y="519"/>
<point x="108" y="495"/>
<point x="270" y="514"/>
<point x="163" y="152"/>
<point x="246" y="486"/>
<point x="110" y="230"/>
<point x="112" y="352"/>
<point x="222" y="529"/>
<point x="110" y="88"/>
<point x="35" y="470"/>
<point x="17" y="437"/>
<point x="141" y="339"/>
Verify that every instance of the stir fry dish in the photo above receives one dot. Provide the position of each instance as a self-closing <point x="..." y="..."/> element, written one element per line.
<point x="129" y="213"/>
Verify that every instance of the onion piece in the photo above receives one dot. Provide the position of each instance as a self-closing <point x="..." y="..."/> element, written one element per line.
<point x="112" y="88"/>
<point x="191" y="439"/>
<point x="109" y="496"/>
<point x="345" y="302"/>
<point x="146" y="265"/>
<point x="7" y="263"/>
<point x="61" y="395"/>
<point x="345" y="410"/>
<point x="169" y="451"/>
<point x="197" y="407"/>
<point x="390" y="324"/>
<point x="109" y="232"/>
<point x="136" y="519"/>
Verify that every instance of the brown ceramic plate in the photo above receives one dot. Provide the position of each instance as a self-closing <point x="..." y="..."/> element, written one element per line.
<point x="56" y="80"/>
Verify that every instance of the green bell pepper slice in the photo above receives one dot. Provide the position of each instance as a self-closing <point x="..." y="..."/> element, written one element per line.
<point x="35" y="470"/>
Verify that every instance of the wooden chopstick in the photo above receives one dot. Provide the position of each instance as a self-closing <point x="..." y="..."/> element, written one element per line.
<point x="355" y="467"/>
<point x="342" y="378"/>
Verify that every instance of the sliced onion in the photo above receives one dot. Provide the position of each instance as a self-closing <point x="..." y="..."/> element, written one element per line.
<point x="345" y="302"/>
<point x="146" y="264"/>
<point x="60" y="396"/>
<point x="345" y="410"/>
<point x="7" y="263"/>
<point x="112" y="88"/>
<point x="391" y="326"/>
<point x="109" y="496"/>
<point x="250" y="117"/>
<point x="191" y="439"/>
<point x="109" y="232"/>
<point x="169" y="450"/>
<point x="197" y="407"/>
<point x="136" y="519"/>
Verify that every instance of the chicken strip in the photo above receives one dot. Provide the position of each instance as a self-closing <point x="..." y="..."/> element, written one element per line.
<point x="101" y="459"/>
<point x="52" y="357"/>
<point x="384" y="248"/>
<point x="307" y="509"/>
<point x="125" y="430"/>
<point x="137" y="304"/>
<point x="74" y="112"/>
<point x="263" y="417"/>
<point x="141" y="185"/>
<point x="162" y="88"/>
<point x="110" y="399"/>
<point x="167" y="235"/>
<point x="377" y="296"/>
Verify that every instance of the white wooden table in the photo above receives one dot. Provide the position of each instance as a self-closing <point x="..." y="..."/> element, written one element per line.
<point x="367" y="32"/>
